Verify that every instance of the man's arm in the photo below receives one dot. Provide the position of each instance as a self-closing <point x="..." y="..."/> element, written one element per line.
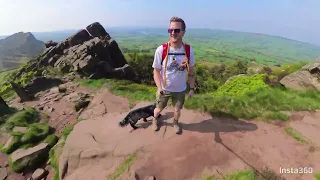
<point x="191" y="74"/>
<point x="157" y="78"/>
<point x="157" y="67"/>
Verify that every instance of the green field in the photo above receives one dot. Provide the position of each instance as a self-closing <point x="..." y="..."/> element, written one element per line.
<point x="4" y="74"/>
<point x="222" y="46"/>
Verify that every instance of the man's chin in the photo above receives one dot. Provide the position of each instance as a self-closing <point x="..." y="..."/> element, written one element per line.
<point x="173" y="39"/>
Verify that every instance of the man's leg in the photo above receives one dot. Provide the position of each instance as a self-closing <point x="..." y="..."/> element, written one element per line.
<point x="162" y="100"/>
<point x="178" y="99"/>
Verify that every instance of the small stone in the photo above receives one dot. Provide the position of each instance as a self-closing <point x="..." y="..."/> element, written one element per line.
<point x="19" y="129"/>
<point x="56" y="99"/>
<point x="62" y="88"/>
<point x="149" y="178"/>
<point x="38" y="174"/>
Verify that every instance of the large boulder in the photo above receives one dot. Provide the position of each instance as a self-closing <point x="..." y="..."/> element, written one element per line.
<point x="90" y="52"/>
<point x="3" y="104"/>
<point x="42" y="83"/>
<point x="301" y="80"/>
<point x="29" y="159"/>
<point x="50" y="43"/>
<point x="23" y="94"/>
<point x="97" y="30"/>
<point x="308" y="78"/>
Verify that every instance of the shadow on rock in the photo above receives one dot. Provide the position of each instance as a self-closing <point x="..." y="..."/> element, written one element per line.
<point x="164" y="117"/>
<point x="220" y="125"/>
<point x="223" y="125"/>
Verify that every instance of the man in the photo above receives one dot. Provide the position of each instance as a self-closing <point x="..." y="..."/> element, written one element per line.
<point x="170" y="74"/>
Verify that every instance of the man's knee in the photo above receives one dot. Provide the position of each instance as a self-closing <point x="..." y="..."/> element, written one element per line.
<point x="177" y="113"/>
<point x="180" y="98"/>
<point x="177" y="110"/>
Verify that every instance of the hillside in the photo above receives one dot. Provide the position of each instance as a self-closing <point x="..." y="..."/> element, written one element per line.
<point x="210" y="45"/>
<point x="224" y="46"/>
<point x="18" y="48"/>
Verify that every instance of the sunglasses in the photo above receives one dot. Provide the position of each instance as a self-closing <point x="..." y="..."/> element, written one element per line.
<point x="174" y="30"/>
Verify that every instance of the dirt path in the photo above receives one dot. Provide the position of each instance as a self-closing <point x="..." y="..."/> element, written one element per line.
<point x="215" y="145"/>
<point x="212" y="144"/>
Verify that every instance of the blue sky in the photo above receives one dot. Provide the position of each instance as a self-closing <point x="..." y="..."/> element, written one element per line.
<point x="297" y="19"/>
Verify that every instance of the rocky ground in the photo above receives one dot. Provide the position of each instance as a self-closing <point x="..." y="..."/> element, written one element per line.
<point x="97" y="145"/>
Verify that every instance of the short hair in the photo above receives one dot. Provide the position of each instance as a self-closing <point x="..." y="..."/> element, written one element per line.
<point x="177" y="19"/>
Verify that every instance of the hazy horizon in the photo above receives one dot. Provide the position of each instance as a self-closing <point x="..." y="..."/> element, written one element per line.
<point x="293" y="19"/>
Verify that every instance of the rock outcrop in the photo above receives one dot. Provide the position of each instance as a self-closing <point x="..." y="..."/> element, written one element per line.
<point x="90" y="52"/>
<point x="308" y="78"/>
<point x="42" y="83"/>
<point x="21" y="92"/>
<point x="3" y="104"/>
<point x="29" y="158"/>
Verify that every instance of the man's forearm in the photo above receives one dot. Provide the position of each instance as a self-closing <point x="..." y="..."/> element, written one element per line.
<point x="156" y="78"/>
<point x="191" y="79"/>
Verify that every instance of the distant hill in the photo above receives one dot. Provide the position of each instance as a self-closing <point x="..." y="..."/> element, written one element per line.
<point x="209" y="44"/>
<point x="222" y="45"/>
<point x="17" y="48"/>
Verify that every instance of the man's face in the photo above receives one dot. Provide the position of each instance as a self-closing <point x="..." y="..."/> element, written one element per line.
<point x="175" y="31"/>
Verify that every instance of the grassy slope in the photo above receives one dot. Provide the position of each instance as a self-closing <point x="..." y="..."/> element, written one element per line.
<point x="224" y="46"/>
<point x="3" y="75"/>
<point x="259" y="101"/>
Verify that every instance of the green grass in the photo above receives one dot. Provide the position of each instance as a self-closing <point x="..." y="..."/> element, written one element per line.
<point x="256" y="103"/>
<point x="125" y="88"/>
<point x="35" y="133"/>
<point x="263" y="102"/>
<point x="124" y="167"/>
<point x="295" y="134"/>
<point x="51" y="140"/>
<point x="54" y="163"/>
<point x="247" y="174"/>
<point x="66" y="131"/>
<point x="317" y="175"/>
<point x="275" y="115"/>
<point x="23" y="118"/>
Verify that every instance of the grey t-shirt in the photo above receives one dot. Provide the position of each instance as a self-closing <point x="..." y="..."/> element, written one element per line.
<point x="175" y="74"/>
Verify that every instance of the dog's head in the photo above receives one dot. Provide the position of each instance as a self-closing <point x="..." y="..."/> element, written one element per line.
<point x="124" y="122"/>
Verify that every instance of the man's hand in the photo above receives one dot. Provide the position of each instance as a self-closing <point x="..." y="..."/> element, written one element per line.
<point x="190" y="94"/>
<point x="159" y="91"/>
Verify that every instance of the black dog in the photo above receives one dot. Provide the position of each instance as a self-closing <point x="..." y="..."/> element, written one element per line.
<point x="135" y="115"/>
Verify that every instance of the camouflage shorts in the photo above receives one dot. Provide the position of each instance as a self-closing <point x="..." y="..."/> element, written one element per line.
<point x="176" y="97"/>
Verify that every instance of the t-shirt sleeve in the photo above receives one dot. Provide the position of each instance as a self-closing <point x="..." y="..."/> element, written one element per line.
<point x="157" y="58"/>
<point x="192" y="57"/>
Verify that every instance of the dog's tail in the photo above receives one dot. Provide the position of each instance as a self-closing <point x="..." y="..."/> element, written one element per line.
<point x="124" y="122"/>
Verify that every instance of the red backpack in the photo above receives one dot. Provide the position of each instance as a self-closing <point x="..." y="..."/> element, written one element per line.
<point x="166" y="49"/>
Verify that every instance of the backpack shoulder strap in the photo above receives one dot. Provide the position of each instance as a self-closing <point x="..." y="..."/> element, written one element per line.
<point x="164" y="51"/>
<point x="187" y="47"/>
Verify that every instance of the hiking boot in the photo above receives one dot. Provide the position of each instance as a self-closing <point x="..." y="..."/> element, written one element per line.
<point x="154" y="124"/>
<point x="176" y="126"/>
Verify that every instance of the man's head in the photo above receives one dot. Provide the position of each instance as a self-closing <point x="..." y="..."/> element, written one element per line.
<point x="176" y="29"/>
